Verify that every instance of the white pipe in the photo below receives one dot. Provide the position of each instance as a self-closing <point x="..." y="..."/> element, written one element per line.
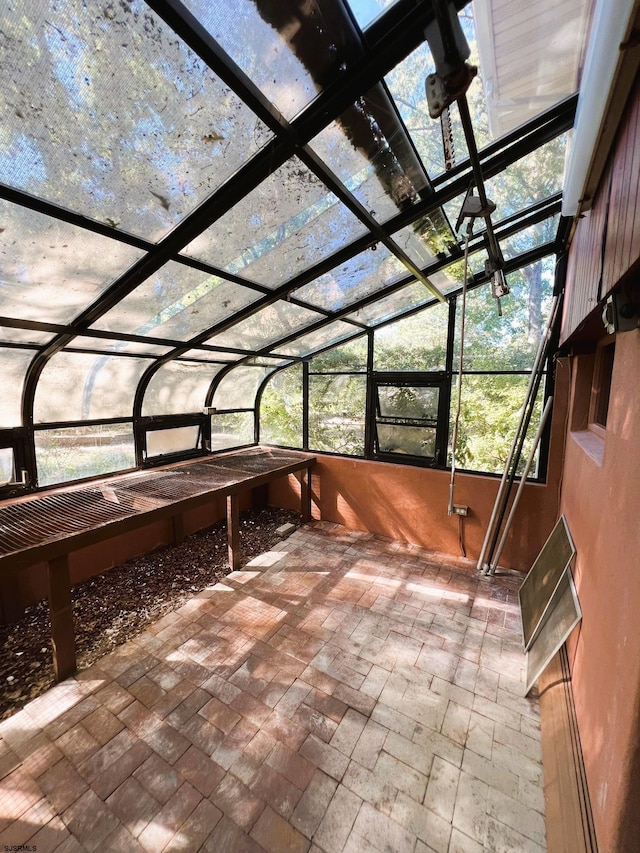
<point x="536" y="364"/>
<point x="523" y="481"/>
<point x="611" y="22"/>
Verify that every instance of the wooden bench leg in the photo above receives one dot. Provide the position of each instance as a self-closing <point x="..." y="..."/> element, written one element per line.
<point x="233" y="531"/>
<point x="177" y="523"/>
<point x="305" y="493"/>
<point x="61" y="613"/>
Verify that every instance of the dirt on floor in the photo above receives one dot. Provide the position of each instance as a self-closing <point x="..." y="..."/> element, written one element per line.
<point x="111" y="608"/>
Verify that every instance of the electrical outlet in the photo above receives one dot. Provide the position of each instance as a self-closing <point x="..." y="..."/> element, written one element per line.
<point x="461" y="510"/>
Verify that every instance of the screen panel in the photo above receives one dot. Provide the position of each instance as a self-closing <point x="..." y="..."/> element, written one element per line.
<point x="543" y="577"/>
<point x="562" y="616"/>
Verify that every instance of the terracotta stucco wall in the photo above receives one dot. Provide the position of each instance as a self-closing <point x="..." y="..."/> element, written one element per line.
<point x="602" y="505"/>
<point x="410" y="504"/>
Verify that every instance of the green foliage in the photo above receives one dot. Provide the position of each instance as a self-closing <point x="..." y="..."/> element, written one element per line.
<point x="281" y="409"/>
<point x="415" y="343"/>
<point x="337" y="406"/>
<point x="491" y="407"/>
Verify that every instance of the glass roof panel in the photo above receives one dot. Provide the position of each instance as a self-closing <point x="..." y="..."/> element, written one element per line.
<point x="13" y="368"/>
<point x="530" y="238"/>
<point x="323" y="337"/>
<point x="358" y="277"/>
<point x="270" y="324"/>
<point x="406" y="84"/>
<point x="530" y="179"/>
<point x="114" y="346"/>
<point x="77" y="386"/>
<point x="178" y="302"/>
<point x="401" y="300"/>
<point x="287" y="224"/>
<point x="51" y="271"/>
<point x="368" y="150"/>
<point x="426" y="239"/>
<point x="238" y="389"/>
<point x="289" y="51"/>
<point x="366" y="10"/>
<point x="205" y="355"/>
<point x="23" y="336"/>
<point x="109" y="112"/>
<point x="177" y="387"/>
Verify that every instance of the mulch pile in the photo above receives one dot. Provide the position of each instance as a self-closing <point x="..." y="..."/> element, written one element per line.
<point x="111" y="608"/>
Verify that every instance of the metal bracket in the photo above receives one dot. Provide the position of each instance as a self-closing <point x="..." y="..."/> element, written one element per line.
<point x="443" y="91"/>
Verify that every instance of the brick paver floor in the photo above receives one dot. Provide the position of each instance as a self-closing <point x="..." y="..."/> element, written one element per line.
<point x="343" y="693"/>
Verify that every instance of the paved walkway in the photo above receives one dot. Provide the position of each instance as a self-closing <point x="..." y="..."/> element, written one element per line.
<point x="343" y="694"/>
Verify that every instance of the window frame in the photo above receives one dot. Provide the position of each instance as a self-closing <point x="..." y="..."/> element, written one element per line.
<point x="433" y="379"/>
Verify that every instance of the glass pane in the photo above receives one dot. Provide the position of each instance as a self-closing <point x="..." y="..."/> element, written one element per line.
<point x="367" y="149"/>
<point x="179" y="387"/>
<point x="76" y="452"/>
<point x="7" y="466"/>
<point x="267" y="361"/>
<point x="287" y="224"/>
<point x="13" y="368"/>
<point x="205" y="355"/>
<point x="530" y="238"/>
<point x="178" y="302"/>
<point x="337" y="413"/>
<point x="418" y="342"/>
<point x="509" y="342"/>
<point x="426" y="241"/>
<point x="406" y="440"/>
<point x="24" y="336"/>
<point x="349" y="356"/>
<point x="364" y="274"/>
<point x="78" y="387"/>
<point x="406" y="84"/>
<point x="113" y="346"/>
<point x="174" y="440"/>
<point x="323" y="337"/>
<point x="366" y="10"/>
<point x="528" y="180"/>
<point x="232" y="430"/>
<point x="490" y="410"/>
<point x="111" y="114"/>
<point x="402" y="300"/>
<point x="238" y="389"/>
<point x="281" y="408"/>
<point x="289" y="52"/>
<point x="451" y="278"/>
<point x="270" y="324"/>
<point x="408" y="401"/>
<point x="51" y="271"/>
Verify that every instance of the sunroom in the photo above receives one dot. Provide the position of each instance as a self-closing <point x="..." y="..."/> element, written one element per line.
<point x="347" y="257"/>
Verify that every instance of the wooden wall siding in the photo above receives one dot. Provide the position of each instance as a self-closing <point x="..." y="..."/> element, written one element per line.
<point x="614" y="219"/>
